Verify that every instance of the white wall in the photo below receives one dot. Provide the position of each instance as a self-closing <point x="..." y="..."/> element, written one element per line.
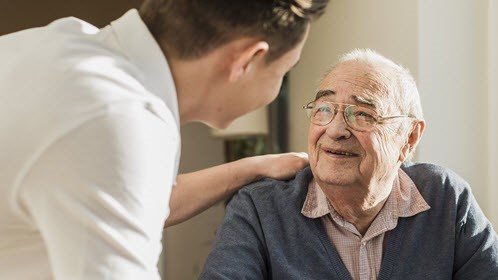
<point x="493" y="111"/>
<point x="453" y="83"/>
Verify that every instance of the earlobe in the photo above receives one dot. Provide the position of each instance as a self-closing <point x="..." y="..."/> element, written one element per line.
<point x="245" y="59"/>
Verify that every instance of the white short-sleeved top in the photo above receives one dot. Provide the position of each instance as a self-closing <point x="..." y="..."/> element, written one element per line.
<point x="89" y="145"/>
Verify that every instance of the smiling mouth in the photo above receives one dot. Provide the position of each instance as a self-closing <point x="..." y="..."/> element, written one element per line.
<point x="341" y="153"/>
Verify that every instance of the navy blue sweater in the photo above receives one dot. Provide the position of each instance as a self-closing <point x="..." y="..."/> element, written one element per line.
<point x="265" y="236"/>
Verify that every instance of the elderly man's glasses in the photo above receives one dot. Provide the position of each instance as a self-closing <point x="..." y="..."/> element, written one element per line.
<point x="357" y="117"/>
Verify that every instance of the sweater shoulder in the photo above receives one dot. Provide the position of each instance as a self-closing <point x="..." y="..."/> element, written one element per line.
<point x="273" y="186"/>
<point x="272" y="194"/>
<point x="423" y="173"/>
<point x="438" y="184"/>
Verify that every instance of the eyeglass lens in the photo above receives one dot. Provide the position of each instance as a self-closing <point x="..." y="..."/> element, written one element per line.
<point x="356" y="117"/>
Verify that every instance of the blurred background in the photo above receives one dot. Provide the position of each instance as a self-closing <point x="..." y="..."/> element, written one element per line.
<point x="450" y="46"/>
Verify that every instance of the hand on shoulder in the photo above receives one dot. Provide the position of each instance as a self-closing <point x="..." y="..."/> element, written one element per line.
<point x="278" y="166"/>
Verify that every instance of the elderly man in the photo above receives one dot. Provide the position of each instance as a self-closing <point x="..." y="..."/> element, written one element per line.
<point x="361" y="211"/>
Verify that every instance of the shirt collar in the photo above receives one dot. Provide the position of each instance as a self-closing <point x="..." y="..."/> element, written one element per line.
<point x="404" y="201"/>
<point x="145" y="53"/>
<point x="316" y="203"/>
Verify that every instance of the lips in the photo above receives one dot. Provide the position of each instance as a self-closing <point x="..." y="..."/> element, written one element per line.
<point x="339" y="152"/>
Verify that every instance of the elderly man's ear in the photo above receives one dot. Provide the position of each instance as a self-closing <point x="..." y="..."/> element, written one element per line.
<point x="412" y="141"/>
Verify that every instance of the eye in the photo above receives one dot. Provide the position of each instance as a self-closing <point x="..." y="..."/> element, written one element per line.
<point x="361" y="116"/>
<point x="323" y="109"/>
<point x="322" y="113"/>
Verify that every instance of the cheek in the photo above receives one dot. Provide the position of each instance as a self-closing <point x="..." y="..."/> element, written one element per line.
<point x="314" y="134"/>
<point x="386" y="148"/>
<point x="262" y="95"/>
<point x="271" y="89"/>
<point x="375" y="163"/>
<point x="375" y="149"/>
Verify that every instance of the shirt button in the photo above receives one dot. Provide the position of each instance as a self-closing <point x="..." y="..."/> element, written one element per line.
<point x="363" y="243"/>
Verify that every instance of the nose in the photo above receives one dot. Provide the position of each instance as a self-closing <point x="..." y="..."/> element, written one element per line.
<point x="338" y="129"/>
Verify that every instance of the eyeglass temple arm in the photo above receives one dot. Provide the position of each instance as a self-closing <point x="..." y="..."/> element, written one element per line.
<point x="381" y="118"/>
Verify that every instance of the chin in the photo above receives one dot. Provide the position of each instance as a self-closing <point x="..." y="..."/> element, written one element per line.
<point x="215" y="125"/>
<point x="333" y="176"/>
<point x="223" y="125"/>
<point x="334" y="181"/>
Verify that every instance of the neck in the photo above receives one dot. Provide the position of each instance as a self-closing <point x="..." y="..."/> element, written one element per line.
<point x="358" y="205"/>
<point x="191" y="87"/>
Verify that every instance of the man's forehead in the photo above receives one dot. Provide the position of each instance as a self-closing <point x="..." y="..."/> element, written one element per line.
<point x="364" y="83"/>
<point x="359" y="74"/>
<point x="356" y="99"/>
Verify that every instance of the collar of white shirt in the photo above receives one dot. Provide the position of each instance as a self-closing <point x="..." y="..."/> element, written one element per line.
<point x="143" y="50"/>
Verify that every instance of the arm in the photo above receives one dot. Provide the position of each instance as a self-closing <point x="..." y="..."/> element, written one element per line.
<point x="239" y="250"/>
<point x="476" y="250"/>
<point x="197" y="191"/>
<point x="96" y="196"/>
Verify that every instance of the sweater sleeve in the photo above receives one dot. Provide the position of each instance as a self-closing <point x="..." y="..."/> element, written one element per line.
<point x="239" y="251"/>
<point x="476" y="248"/>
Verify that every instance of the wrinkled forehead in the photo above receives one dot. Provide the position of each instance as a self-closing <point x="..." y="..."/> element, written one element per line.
<point x="352" y="81"/>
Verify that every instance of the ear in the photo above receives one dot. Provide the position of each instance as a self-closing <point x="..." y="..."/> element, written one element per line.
<point x="413" y="139"/>
<point x="244" y="59"/>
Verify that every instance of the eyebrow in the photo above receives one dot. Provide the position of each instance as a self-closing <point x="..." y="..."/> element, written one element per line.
<point x="359" y="99"/>
<point x="364" y="101"/>
<point x="322" y="93"/>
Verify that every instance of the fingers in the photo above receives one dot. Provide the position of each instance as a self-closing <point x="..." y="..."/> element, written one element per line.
<point x="302" y="155"/>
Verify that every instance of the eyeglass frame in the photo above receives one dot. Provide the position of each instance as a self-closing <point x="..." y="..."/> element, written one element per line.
<point x="377" y="118"/>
